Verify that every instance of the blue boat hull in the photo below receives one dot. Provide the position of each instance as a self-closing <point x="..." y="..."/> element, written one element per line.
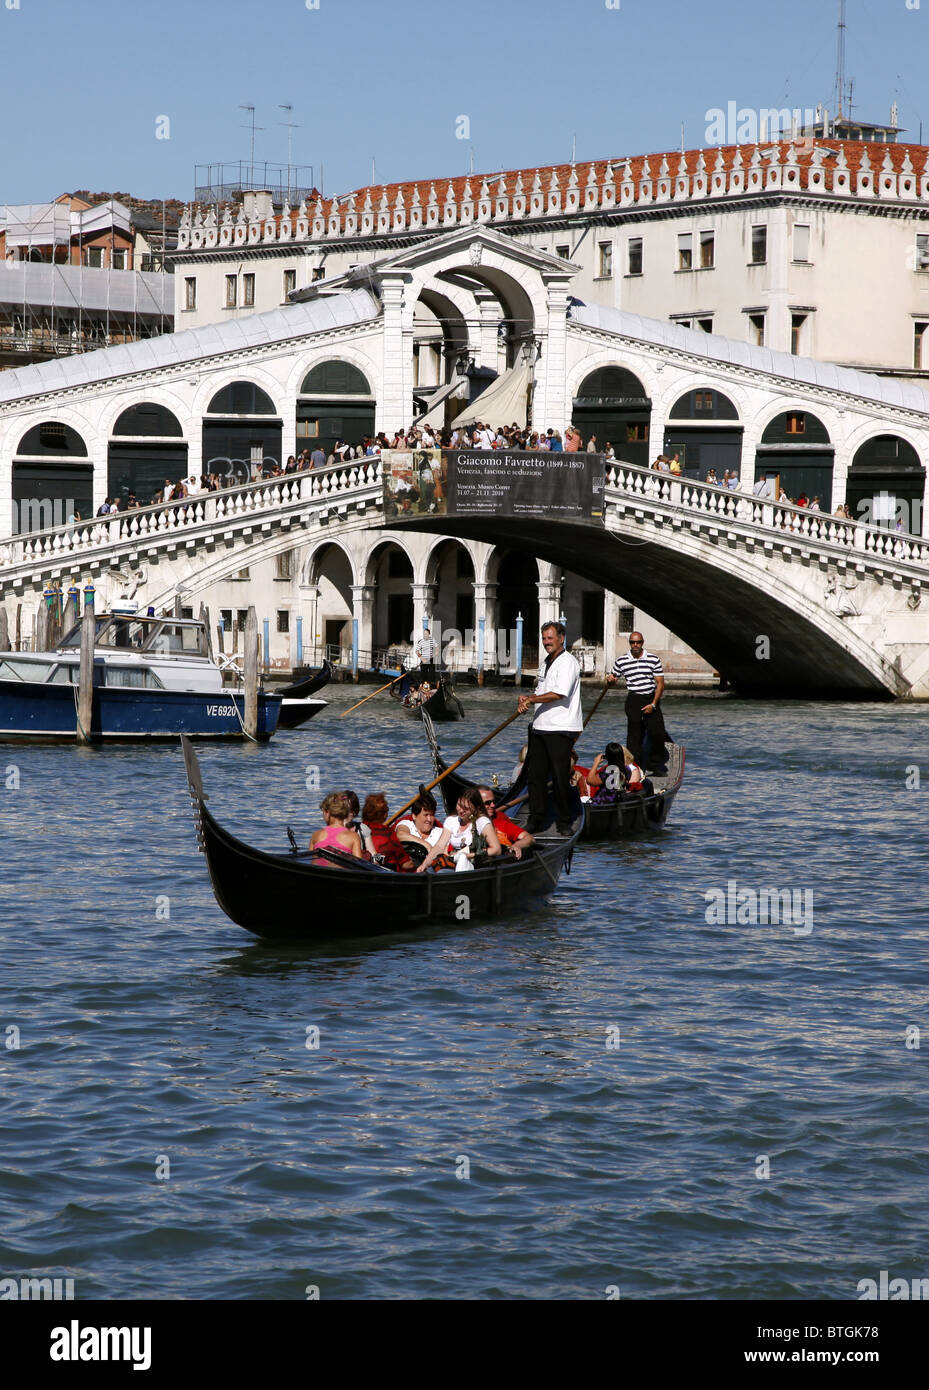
<point x="48" y="714"/>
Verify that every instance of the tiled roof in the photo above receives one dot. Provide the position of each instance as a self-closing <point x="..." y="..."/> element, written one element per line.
<point x="834" y="164"/>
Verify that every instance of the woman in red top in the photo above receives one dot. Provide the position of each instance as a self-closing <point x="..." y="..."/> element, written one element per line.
<point x="384" y="837"/>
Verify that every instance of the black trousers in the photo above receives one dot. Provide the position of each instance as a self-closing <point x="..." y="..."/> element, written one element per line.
<point x="550" y="757"/>
<point x="646" y="734"/>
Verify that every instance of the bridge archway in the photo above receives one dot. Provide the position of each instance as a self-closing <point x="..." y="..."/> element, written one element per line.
<point x="52" y="477"/>
<point x="705" y="431"/>
<point x="886" y="483"/>
<point x="450" y="571"/>
<point x="147" y="448"/>
<point x="795" y="446"/>
<point x="390" y="571"/>
<point x="613" y="404"/>
<point x="242" y="432"/>
<point x="329" y="570"/>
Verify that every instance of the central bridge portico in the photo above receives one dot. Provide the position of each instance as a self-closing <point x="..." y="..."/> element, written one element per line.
<point x="781" y="600"/>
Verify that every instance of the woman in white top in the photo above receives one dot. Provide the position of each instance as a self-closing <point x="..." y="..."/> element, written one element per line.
<point x="458" y="833"/>
<point x="420" y="828"/>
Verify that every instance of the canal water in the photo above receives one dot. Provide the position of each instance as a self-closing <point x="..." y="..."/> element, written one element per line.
<point x="646" y="1085"/>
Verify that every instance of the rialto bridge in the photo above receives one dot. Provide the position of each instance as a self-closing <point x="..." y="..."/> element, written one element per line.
<point x="775" y="598"/>
<point x="778" y="598"/>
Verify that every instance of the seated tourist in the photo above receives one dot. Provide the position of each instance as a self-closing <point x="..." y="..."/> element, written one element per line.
<point x="464" y="833"/>
<point x="382" y="838"/>
<point x="512" y="837"/>
<point x="336" y="812"/>
<point x="418" y="832"/>
<point x="606" y="777"/>
<point x="579" y="777"/>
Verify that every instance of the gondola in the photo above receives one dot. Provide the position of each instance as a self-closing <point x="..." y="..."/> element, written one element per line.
<point x="296" y="705"/>
<point x="633" y="814"/>
<point x="327" y="896"/>
<point x="439" y="699"/>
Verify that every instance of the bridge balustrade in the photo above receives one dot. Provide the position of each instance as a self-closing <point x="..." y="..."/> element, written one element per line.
<point x="203" y="509"/>
<point x="732" y="505"/>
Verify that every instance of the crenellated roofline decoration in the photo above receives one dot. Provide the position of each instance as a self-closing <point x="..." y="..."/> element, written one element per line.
<point x="861" y="172"/>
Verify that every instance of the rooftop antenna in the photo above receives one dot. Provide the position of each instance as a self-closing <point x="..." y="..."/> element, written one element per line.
<point x="840" y="64"/>
<point x="471" y="161"/>
<point x="573" y="149"/>
<point x="252" y="126"/>
<point x="373" y="172"/>
<point x="291" y="127"/>
<point x="682" y="137"/>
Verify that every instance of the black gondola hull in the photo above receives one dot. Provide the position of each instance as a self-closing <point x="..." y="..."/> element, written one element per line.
<point x="294" y="897"/>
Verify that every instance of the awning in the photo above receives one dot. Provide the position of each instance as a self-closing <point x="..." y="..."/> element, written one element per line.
<point x="435" y="415"/>
<point x="503" y="402"/>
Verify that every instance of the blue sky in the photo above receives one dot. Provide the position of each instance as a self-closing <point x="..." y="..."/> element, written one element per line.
<point x="84" y="81"/>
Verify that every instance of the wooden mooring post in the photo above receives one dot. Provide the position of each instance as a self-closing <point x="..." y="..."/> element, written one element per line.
<point x="85" y="697"/>
<point x="251" y="673"/>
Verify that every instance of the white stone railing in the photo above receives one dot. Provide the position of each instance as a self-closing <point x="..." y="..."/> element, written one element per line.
<point x="170" y="520"/>
<point x="782" y="522"/>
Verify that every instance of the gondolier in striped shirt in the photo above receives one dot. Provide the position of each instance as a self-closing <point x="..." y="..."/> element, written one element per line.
<point x="644" y="677"/>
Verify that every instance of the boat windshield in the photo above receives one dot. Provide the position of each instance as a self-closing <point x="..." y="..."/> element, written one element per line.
<point x="169" y="636"/>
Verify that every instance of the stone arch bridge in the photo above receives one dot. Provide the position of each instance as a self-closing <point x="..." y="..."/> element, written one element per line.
<point x="780" y="600"/>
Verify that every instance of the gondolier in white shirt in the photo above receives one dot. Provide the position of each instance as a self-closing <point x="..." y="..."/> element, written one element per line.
<point x="555" y="726"/>
<point x="644" y="677"/>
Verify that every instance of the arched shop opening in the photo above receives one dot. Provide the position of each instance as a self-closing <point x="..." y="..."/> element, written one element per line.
<point x="331" y="571"/>
<point x="517" y="592"/>
<point x="451" y="571"/>
<point x="334" y="403"/>
<point x="53" y="479"/>
<point x="795" y="449"/>
<point x="390" y="571"/>
<point x="703" y="430"/>
<point x="241" y="434"/>
<point x="885" y="484"/>
<point x="614" y="405"/>
<point x="147" y="449"/>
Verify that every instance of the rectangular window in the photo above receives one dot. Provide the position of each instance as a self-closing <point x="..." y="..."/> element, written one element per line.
<point x="636" y="434"/>
<point x="797" y="335"/>
<point x="93" y="256"/>
<point x="563" y="252"/>
<point x="284" y="565"/>
<point x="627" y="620"/>
<point x="705" y="324"/>
<point x="922" y="252"/>
<point x="635" y="255"/>
<point x="801" y="242"/>
<point x="796" y="423"/>
<point x="248" y="290"/>
<point x="606" y="260"/>
<point x="703" y="400"/>
<point x="283" y="620"/>
<point x="319" y="272"/>
<point x="685" y="251"/>
<point x="707" y="250"/>
<point x="919" y="338"/>
<point x="759" y="245"/>
<point x="290" y="282"/>
<point x="226" y="616"/>
<point x="756" y="329"/>
<point x="118" y="259"/>
<point x="231" y="287"/>
<point x="190" y="292"/>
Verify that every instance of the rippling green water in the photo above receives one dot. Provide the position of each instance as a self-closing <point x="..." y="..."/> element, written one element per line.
<point x="585" y="1097"/>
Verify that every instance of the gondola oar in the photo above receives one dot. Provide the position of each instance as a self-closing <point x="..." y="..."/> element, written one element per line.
<point x="596" y="702"/>
<point x="463" y="759"/>
<point x="379" y="691"/>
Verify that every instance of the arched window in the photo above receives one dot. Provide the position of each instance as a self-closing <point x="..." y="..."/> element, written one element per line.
<point x="704" y="405"/>
<point x="52" y="478"/>
<point x="613" y="407"/>
<point x="52" y="438"/>
<point x="885" y="484"/>
<point x="146" y="418"/>
<point x="335" y="379"/>
<point x="241" y="398"/>
<point x="156" y="454"/>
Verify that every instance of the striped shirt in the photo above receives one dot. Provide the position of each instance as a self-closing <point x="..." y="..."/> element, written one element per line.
<point x="639" y="672"/>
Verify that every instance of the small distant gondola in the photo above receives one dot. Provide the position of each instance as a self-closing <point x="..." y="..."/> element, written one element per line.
<point x="629" y="814"/>
<point x="296" y="705"/>
<point x="326" y="896"/>
<point x="435" y="692"/>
